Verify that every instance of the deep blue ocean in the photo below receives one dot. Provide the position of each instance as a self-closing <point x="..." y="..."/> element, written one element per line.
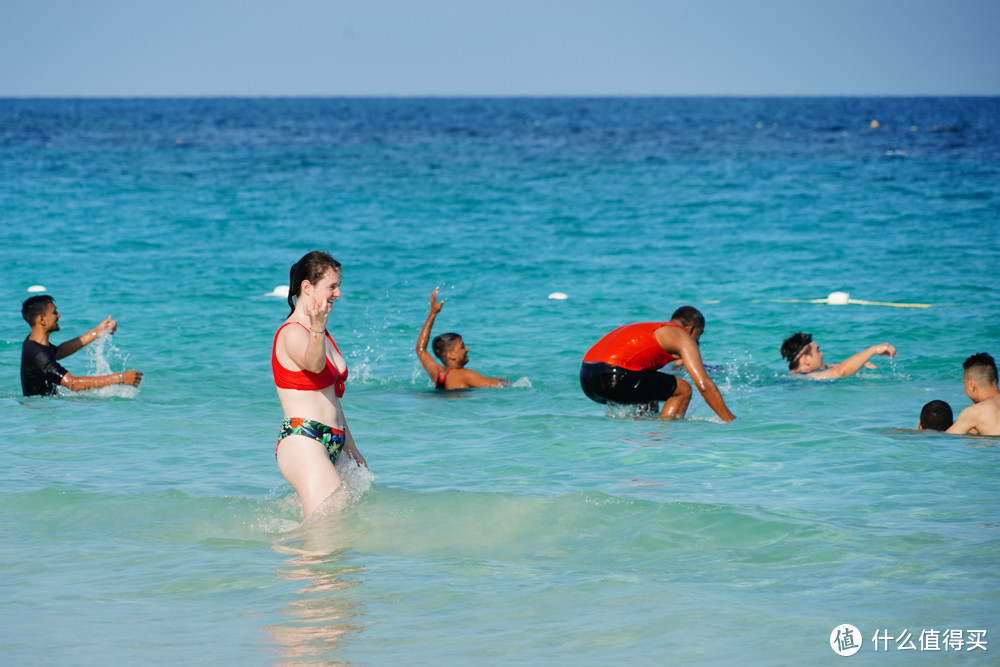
<point x="525" y="525"/>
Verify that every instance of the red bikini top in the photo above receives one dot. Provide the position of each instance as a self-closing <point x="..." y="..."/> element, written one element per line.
<point x="305" y="380"/>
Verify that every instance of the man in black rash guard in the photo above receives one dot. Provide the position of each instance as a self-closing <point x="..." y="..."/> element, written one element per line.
<point x="40" y="368"/>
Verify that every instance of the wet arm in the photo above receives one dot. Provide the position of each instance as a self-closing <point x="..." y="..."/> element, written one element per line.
<point x="74" y="344"/>
<point x="306" y="348"/>
<point x="712" y="395"/>
<point x="852" y="365"/>
<point x="700" y="379"/>
<point x="351" y="448"/>
<point x="966" y="422"/>
<point x="96" y="381"/>
<point x="476" y="381"/>
<point x="430" y="365"/>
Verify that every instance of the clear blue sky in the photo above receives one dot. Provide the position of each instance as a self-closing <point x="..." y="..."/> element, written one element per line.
<point x="499" y="47"/>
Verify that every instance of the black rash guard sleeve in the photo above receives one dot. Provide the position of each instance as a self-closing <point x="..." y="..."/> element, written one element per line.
<point x="40" y="372"/>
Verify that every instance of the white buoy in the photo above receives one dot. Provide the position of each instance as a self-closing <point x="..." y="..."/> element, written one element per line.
<point x="280" y="290"/>
<point x="37" y="288"/>
<point x="838" y="298"/>
<point x="558" y="296"/>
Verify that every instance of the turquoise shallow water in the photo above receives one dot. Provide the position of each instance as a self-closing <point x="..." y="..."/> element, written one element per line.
<point x="520" y="525"/>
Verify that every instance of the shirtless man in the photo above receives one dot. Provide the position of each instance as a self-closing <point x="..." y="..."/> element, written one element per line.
<point x="805" y="358"/>
<point x="622" y="367"/>
<point x="980" y="380"/>
<point x="454" y="355"/>
<point x="40" y="370"/>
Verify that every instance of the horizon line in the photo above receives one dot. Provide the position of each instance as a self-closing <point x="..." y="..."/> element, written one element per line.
<point x="178" y="96"/>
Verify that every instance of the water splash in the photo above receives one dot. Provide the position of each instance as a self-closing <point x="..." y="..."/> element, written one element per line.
<point x="355" y="480"/>
<point x="105" y="358"/>
<point x="364" y="363"/>
<point x="632" y="412"/>
<point x="738" y="376"/>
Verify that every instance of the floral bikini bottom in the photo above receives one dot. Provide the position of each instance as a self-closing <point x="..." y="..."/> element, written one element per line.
<point x="331" y="438"/>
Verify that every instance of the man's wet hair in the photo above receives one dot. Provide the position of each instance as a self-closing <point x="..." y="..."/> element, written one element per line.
<point x="689" y="316"/>
<point x="792" y="348"/>
<point x="936" y="416"/>
<point x="442" y="343"/>
<point x="34" y="306"/>
<point x="981" y="368"/>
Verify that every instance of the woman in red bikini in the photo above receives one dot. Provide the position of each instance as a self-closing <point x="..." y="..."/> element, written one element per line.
<point x="310" y="372"/>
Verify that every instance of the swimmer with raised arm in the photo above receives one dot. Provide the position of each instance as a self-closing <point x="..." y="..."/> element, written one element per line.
<point x="310" y="372"/>
<point x="621" y="368"/>
<point x="451" y="373"/>
<point x="41" y="371"/>
<point x="979" y="378"/>
<point x="805" y="358"/>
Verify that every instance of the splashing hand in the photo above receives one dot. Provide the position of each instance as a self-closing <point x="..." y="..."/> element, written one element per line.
<point x="108" y="325"/>
<point x="435" y="306"/>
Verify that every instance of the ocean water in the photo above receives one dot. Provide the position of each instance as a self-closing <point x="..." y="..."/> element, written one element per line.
<point x="523" y="525"/>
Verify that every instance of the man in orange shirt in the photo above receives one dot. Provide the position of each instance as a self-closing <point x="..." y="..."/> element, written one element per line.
<point x="622" y="367"/>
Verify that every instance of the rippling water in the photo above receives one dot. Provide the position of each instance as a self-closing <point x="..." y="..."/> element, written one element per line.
<point x="518" y="525"/>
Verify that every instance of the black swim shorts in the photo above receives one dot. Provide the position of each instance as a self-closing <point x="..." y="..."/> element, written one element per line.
<point x="605" y="383"/>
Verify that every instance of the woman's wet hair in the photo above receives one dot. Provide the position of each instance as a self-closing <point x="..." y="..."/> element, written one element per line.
<point x="792" y="348"/>
<point x="312" y="267"/>
<point x="442" y="343"/>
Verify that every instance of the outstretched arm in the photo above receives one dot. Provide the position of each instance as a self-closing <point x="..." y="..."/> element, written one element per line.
<point x="72" y="383"/>
<point x="430" y="365"/>
<point x="707" y="388"/>
<point x="74" y="344"/>
<point x="691" y="356"/>
<point x="852" y="365"/>
<point x="466" y="378"/>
